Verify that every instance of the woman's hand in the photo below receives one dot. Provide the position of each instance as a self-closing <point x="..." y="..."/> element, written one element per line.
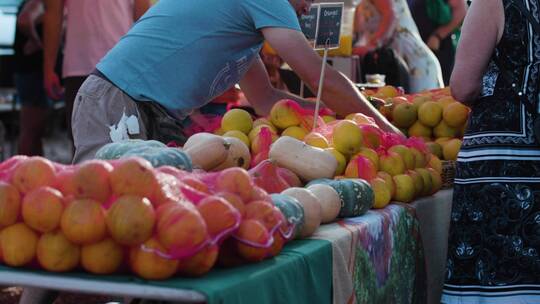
<point x="434" y="42"/>
<point x="364" y="49"/>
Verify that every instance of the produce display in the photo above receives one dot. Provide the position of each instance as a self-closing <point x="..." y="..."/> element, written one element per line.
<point x="223" y="199"/>
<point x="432" y="115"/>
<point x="125" y="215"/>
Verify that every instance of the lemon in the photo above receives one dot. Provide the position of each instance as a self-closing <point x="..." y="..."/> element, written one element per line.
<point x="295" y="131"/>
<point x="342" y="161"/>
<point x="237" y="119"/>
<point x="445" y="101"/>
<point x="316" y="140"/>
<point x="430" y="113"/>
<point x="382" y="192"/>
<point x="255" y="131"/>
<point x="435" y="163"/>
<point x="347" y="137"/>
<point x="237" y="134"/>
<point x="371" y="155"/>
<point x="404" y="115"/>
<point x="455" y="114"/>
<point x="435" y="148"/>
<point x="264" y="121"/>
<point x="418" y="129"/>
<point x="451" y="149"/>
<point x="283" y="116"/>
<point x="444" y="130"/>
<point x="388" y="91"/>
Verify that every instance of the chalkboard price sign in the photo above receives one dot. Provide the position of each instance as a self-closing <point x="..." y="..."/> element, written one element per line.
<point x="309" y="23"/>
<point x="330" y="18"/>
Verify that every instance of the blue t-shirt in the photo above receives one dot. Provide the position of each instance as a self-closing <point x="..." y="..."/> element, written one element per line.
<point x="183" y="53"/>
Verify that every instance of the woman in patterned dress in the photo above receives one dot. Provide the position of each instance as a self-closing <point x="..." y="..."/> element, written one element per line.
<point x="389" y="23"/>
<point x="494" y="241"/>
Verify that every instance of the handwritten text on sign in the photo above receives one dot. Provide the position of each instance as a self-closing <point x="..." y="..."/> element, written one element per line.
<point x="308" y="23"/>
<point x="328" y="31"/>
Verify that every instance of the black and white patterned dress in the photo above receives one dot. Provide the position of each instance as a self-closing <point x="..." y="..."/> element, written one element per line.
<point x="494" y="241"/>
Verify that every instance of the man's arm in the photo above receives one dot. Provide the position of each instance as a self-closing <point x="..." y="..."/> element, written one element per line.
<point x="339" y="93"/>
<point x="141" y="6"/>
<point x="52" y="25"/>
<point x="259" y="91"/>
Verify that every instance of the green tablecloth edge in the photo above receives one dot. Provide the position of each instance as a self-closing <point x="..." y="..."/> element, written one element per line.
<point x="301" y="273"/>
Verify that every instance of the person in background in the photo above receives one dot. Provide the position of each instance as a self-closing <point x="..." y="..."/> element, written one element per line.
<point x="171" y="63"/>
<point x="93" y="27"/>
<point x="388" y="23"/>
<point x="439" y="34"/>
<point x="494" y="238"/>
<point x="28" y="78"/>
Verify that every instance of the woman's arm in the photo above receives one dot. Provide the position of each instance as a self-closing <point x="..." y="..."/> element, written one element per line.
<point x="30" y="13"/>
<point x="482" y="30"/>
<point x="52" y="33"/>
<point x="388" y="22"/>
<point x="459" y="10"/>
<point x="458" y="13"/>
<point x="384" y="30"/>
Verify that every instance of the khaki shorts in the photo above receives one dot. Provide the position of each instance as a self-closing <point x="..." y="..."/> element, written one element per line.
<point x="99" y="106"/>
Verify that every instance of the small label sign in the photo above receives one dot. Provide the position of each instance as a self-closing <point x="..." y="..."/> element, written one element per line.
<point x="328" y="31"/>
<point x="308" y="23"/>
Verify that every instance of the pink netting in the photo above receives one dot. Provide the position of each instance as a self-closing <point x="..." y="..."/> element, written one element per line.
<point x="264" y="141"/>
<point x="306" y="115"/>
<point x="417" y="143"/>
<point x="149" y="210"/>
<point x="203" y="123"/>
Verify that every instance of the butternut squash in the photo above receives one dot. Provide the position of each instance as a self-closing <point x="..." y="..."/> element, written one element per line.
<point x="206" y="150"/>
<point x="329" y="200"/>
<point x="307" y="162"/>
<point x="312" y="209"/>
<point x="238" y="155"/>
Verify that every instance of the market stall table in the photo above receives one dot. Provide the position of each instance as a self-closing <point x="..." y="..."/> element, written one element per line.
<point x="374" y="258"/>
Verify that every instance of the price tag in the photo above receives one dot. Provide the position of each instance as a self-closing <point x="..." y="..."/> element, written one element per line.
<point x="309" y="23"/>
<point x="329" y="28"/>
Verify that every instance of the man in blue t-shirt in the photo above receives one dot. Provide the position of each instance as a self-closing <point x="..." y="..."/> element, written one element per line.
<point x="181" y="54"/>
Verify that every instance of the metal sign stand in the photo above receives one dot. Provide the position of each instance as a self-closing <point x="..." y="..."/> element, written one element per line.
<point x="321" y="82"/>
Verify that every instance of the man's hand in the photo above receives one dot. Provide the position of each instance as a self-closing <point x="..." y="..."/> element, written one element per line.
<point x="52" y="85"/>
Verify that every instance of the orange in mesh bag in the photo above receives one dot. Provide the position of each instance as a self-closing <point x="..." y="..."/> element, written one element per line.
<point x="28" y="173"/>
<point x="253" y="240"/>
<point x="7" y="167"/>
<point x="259" y="235"/>
<point x="255" y="205"/>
